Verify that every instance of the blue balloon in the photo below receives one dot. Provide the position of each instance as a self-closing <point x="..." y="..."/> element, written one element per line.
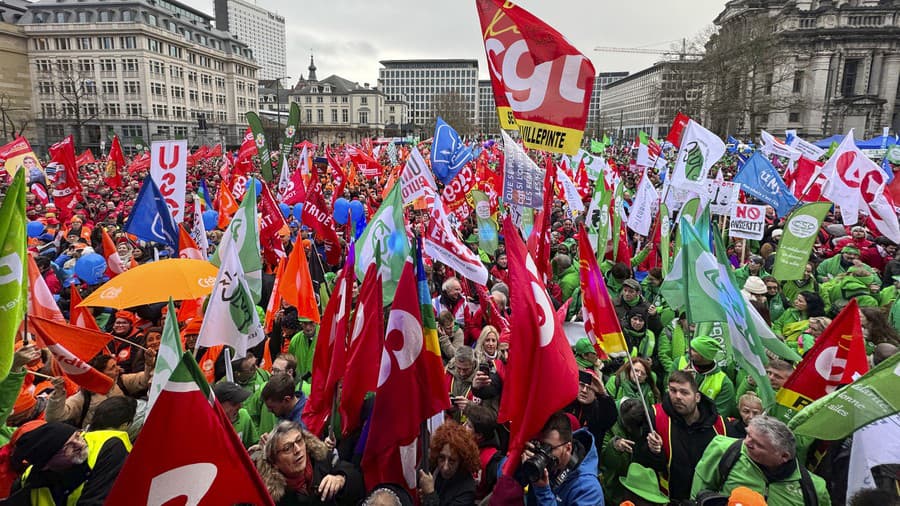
<point x="360" y="226"/>
<point x="341" y="211"/>
<point x="90" y="268"/>
<point x="396" y="241"/>
<point x="35" y="229"/>
<point x="258" y="185"/>
<point x="285" y="210"/>
<point x="298" y="212"/>
<point x="357" y="211"/>
<point x="210" y="219"/>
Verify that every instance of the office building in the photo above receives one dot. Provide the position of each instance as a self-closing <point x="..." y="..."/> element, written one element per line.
<point x="594" y="128"/>
<point x="260" y="29"/>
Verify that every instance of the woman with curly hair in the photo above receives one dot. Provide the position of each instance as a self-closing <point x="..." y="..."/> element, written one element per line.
<point x="876" y="328"/>
<point x="297" y="469"/>
<point x="454" y="458"/>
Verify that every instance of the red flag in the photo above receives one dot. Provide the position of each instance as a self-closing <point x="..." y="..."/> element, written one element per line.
<point x="40" y="193"/>
<point x="800" y="180"/>
<point x="215" y="152"/>
<point x="114" y="165"/>
<point x="364" y="351"/>
<point x="600" y="321"/>
<point x="338" y="176"/>
<point x="227" y="206"/>
<point x="330" y="350"/>
<point x="391" y="451"/>
<point x="295" y="193"/>
<point x="837" y="358"/>
<point x="271" y="224"/>
<point x="539" y="240"/>
<point x="244" y="163"/>
<point x="63" y="153"/>
<point x="80" y="316"/>
<point x="139" y="163"/>
<point x="541" y="376"/>
<point x="73" y="347"/>
<point x="678" y="124"/>
<point x="295" y="284"/>
<point x="86" y="157"/>
<point x="551" y="111"/>
<point x="116" y="154"/>
<point x="318" y="217"/>
<point x="187" y="248"/>
<point x="623" y="253"/>
<point x="114" y="264"/>
<point x="200" y="463"/>
<point x="364" y="162"/>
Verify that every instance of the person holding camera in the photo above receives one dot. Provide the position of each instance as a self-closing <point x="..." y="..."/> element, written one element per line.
<point x="562" y="465"/>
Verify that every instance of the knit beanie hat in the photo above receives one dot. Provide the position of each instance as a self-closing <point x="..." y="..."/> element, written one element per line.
<point x="40" y="445"/>
<point x="707" y="347"/>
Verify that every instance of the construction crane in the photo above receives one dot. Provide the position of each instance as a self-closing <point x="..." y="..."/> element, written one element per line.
<point x="637" y="50"/>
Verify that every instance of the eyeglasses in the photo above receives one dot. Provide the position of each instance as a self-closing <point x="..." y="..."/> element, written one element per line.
<point x="287" y="447"/>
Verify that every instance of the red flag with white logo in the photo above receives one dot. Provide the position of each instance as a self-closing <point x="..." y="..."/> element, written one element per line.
<point x="537" y="76"/>
<point x="40" y="299"/>
<point x="363" y="352"/>
<point x="80" y="316"/>
<point x="187" y="248"/>
<point x="318" y="216"/>
<point x="838" y="357"/>
<point x="114" y="264"/>
<point x="541" y="375"/>
<point x="392" y="450"/>
<point x="270" y="225"/>
<point x="329" y="356"/>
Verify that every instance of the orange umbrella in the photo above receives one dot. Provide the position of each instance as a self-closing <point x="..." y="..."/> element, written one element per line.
<point x="178" y="278"/>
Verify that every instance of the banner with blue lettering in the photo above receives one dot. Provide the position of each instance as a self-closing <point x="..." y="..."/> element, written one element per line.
<point x="150" y="219"/>
<point x="760" y="179"/>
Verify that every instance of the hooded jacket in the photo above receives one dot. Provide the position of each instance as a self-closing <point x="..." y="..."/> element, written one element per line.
<point x="581" y="485"/>
<point x="687" y="443"/>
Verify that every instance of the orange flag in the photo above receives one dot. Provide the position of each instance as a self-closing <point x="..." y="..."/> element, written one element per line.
<point x="73" y="347"/>
<point x="275" y="298"/>
<point x="227" y="206"/>
<point x="80" y="316"/>
<point x="114" y="264"/>
<point x="40" y="299"/>
<point x="296" y="285"/>
<point x="187" y="248"/>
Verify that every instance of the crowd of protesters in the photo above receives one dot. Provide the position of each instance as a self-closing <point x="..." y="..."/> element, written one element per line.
<point x="65" y="444"/>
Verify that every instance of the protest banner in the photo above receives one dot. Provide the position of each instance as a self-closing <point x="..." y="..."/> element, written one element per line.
<point x="748" y="221"/>
<point x="168" y="168"/>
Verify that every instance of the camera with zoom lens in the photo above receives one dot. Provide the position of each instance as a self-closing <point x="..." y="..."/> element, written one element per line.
<point x="541" y="458"/>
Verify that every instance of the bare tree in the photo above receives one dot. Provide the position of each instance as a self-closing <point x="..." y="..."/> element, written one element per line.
<point x="749" y="74"/>
<point x="456" y="111"/>
<point x="73" y="83"/>
<point x="14" y="119"/>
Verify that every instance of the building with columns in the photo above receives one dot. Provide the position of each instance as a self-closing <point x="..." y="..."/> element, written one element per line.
<point x="836" y="67"/>
<point x="142" y="69"/>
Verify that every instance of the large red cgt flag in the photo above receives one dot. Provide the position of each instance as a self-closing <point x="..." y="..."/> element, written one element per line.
<point x="409" y="383"/>
<point x="201" y="462"/>
<point x="364" y="351"/>
<point x="837" y="358"/>
<point x="541" y="376"/>
<point x="330" y="352"/>
<point x="542" y="84"/>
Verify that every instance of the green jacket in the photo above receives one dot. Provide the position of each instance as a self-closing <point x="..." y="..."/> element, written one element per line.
<point x="790" y="315"/>
<point x="716" y="385"/>
<point x="303" y="350"/>
<point x="792" y="288"/>
<point x="746" y="473"/>
<point x="838" y="292"/>
<point x="569" y="282"/>
<point x="245" y="429"/>
<point x="620" y="388"/>
<point x="887" y="296"/>
<point x="830" y="268"/>
<point x="672" y="346"/>
<point x="742" y="273"/>
<point x="9" y="392"/>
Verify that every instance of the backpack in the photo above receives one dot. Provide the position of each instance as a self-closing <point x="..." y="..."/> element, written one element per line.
<point x="731" y="455"/>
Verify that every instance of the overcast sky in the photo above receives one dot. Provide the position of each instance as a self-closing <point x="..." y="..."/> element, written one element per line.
<point x="349" y="37"/>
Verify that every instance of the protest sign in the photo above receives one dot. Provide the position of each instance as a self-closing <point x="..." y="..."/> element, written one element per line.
<point x="748" y="221"/>
<point x="168" y="168"/>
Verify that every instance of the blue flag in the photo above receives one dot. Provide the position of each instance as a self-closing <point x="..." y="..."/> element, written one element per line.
<point x="760" y="179"/>
<point x="448" y="153"/>
<point x="150" y="218"/>
<point x="731" y="145"/>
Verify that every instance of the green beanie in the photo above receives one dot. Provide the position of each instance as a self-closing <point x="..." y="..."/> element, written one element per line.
<point x="705" y="346"/>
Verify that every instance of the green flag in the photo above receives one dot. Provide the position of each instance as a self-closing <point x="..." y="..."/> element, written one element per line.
<point x="13" y="269"/>
<point x="168" y="356"/>
<point x="488" y="239"/>
<point x="665" y="231"/>
<point x="800" y="232"/>
<point x="597" y="219"/>
<point x="262" y="145"/>
<point x="837" y="415"/>
<point x="290" y="131"/>
<point x="386" y="233"/>
<point x="692" y="282"/>
<point x="243" y="231"/>
<point x="619" y="203"/>
<point x="597" y="146"/>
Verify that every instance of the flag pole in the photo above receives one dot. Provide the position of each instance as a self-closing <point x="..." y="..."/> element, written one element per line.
<point x="638" y="386"/>
<point x="229" y="372"/>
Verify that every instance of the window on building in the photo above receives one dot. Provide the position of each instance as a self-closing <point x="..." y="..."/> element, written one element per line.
<point x="44" y="65"/>
<point x="158" y="89"/>
<point x="193" y="95"/>
<point x="320" y="116"/>
<point x="363" y="117"/>
<point x="86" y="66"/>
<point x="178" y="112"/>
<point x="160" y="110"/>
<point x="364" y="100"/>
<point x="108" y="66"/>
<point x="334" y="116"/>
<point x="177" y="92"/>
<point x="180" y="132"/>
<point x="132" y="87"/>
<point x="45" y="87"/>
<point x="54" y="131"/>
<point x="42" y="44"/>
<point x="130" y="65"/>
<point x="133" y="109"/>
<point x="64" y="66"/>
<point x="110" y="87"/>
<point x="798" y="81"/>
<point x="132" y="131"/>
<point x="345" y="100"/>
<point x="309" y="115"/>
<point x="111" y="109"/>
<point x="308" y="100"/>
<point x="85" y="43"/>
<point x="767" y="86"/>
<point x="62" y="44"/>
<point x="345" y="116"/>
<point x="89" y="110"/>
<point x="793" y="117"/>
<point x="848" y="80"/>
<point x="105" y="43"/>
<point x="129" y="42"/>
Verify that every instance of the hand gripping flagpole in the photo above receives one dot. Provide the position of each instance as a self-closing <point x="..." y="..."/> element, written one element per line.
<point x="637" y="385"/>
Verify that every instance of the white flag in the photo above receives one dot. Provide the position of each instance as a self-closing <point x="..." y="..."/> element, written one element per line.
<point x="773" y="146"/>
<point x="573" y="198"/>
<point x="644" y="207"/>
<point x="231" y="318"/>
<point x="303" y="164"/>
<point x="700" y="149"/>
<point x="284" y="179"/>
<point x="873" y="445"/>
<point x="167" y="358"/>
<point x="442" y="244"/>
<point x="415" y="178"/>
<point x="198" y="231"/>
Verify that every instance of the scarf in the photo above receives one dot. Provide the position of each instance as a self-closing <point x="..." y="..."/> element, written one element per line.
<point x="302" y="481"/>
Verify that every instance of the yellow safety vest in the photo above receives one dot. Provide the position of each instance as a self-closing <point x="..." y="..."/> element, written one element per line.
<point x="95" y="441"/>
<point x="710" y="384"/>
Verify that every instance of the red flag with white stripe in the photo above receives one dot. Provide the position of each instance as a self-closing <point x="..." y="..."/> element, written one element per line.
<point x="114" y="264"/>
<point x="73" y="347"/>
